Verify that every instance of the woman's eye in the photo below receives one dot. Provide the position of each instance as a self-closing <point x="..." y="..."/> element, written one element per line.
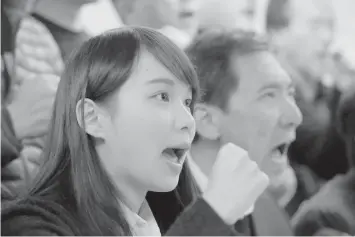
<point x="270" y="95"/>
<point x="163" y="97"/>
<point x="188" y="102"/>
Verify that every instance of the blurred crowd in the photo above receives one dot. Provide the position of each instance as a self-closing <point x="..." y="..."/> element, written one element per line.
<point x="313" y="193"/>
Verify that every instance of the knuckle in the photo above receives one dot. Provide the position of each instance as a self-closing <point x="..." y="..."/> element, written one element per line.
<point x="229" y="146"/>
<point x="253" y="166"/>
<point x="264" y="178"/>
<point x="226" y="150"/>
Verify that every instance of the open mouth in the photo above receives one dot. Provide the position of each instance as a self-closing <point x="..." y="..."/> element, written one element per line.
<point x="175" y="154"/>
<point x="282" y="148"/>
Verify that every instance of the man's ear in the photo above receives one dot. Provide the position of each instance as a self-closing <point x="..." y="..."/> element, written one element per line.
<point x="208" y="120"/>
<point x="90" y="117"/>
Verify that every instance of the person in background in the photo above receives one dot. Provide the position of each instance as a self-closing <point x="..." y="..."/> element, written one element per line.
<point x="334" y="205"/>
<point x="10" y="145"/>
<point x="278" y="18"/>
<point x="100" y="16"/>
<point x="36" y="53"/>
<point x="229" y="14"/>
<point x="188" y="16"/>
<point x="126" y="89"/>
<point x="16" y="10"/>
<point x="240" y="14"/>
<point x="62" y="19"/>
<point x="293" y="23"/>
<point x="303" y="42"/>
<point x="244" y="87"/>
<point x="173" y="18"/>
<point x="153" y="14"/>
<point x="23" y="117"/>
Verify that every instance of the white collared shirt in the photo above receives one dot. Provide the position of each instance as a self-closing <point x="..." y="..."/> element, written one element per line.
<point x="202" y="179"/>
<point x="143" y="223"/>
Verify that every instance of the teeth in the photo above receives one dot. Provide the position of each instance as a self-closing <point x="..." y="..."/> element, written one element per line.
<point x="276" y="155"/>
<point x="171" y="155"/>
<point x="174" y="159"/>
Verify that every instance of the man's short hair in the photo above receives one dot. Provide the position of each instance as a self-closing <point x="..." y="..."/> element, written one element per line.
<point x="211" y="51"/>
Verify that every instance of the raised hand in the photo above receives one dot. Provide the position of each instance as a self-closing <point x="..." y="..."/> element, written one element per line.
<point x="235" y="183"/>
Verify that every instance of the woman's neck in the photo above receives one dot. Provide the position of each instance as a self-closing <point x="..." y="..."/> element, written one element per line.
<point x="131" y="194"/>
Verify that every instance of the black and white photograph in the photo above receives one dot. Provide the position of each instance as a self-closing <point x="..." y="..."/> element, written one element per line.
<point x="177" y="118"/>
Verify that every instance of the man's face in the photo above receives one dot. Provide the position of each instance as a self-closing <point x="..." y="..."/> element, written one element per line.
<point x="262" y="115"/>
<point x="314" y="21"/>
<point x="187" y="15"/>
<point x="310" y="33"/>
<point x="230" y="14"/>
<point x="153" y="13"/>
<point x="245" y="14"/>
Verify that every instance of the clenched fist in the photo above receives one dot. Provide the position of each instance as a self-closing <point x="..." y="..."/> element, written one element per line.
<point x="235" y="183"/>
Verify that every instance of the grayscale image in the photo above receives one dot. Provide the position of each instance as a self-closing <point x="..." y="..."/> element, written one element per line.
<point x="177" y="118"/>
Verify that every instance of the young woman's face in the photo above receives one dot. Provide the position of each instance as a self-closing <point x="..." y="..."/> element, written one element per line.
<point x="150" y="118"/>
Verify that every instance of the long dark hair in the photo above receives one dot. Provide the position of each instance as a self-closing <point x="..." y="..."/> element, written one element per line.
<point x="71" y="173"/>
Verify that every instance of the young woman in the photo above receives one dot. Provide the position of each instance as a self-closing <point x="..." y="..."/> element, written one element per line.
<point x="114" y="163"/>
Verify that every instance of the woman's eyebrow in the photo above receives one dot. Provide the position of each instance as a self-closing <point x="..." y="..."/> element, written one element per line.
<point x="161" y="80"/>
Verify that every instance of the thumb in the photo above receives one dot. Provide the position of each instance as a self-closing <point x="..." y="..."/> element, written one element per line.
<point x="228" y="157"/>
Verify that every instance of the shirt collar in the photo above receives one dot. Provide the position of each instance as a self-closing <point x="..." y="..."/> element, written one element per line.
<point x="143" y="223"/>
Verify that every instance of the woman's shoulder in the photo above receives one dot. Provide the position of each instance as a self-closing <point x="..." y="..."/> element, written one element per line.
<point x="36" y="216"/>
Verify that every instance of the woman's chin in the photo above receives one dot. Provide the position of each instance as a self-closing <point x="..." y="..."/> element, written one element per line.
<point x="166" y="184"/>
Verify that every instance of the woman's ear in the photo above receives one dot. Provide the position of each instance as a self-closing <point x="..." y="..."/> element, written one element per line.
<point x="208" y="119"/>
<point x="90" y="118"/>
